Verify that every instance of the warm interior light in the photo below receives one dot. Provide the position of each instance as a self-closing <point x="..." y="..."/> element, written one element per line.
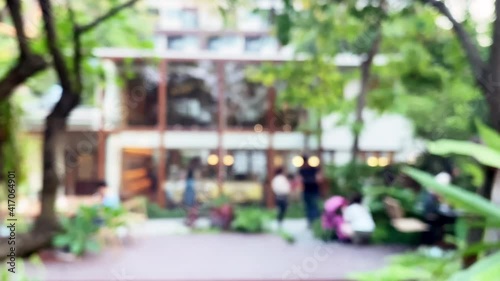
<point x="278" y="161"/>
<point x="228" y="160"/>
<point x="383" y="161"/>
<point x="258" y="128"/>
<point x="297" y="161"/>
<point x="212" y="159"/>
<point x="412" y="159"/>
<point x="313" y="161"/>
<point x="372" y="161"/>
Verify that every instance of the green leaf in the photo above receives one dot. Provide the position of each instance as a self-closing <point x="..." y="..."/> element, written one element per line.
<point x="486" y="269"/>
<point x="61" y="240"/>
<point x="485" y="155"/>
<point x="479" y="248"/>
<point x="77" y="247"/>
<point x="92" y="246"/>
<point x="469" y="201"/>
<point x="489" y="136"/>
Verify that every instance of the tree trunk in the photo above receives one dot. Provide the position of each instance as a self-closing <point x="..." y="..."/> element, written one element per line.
<point x="476" y="234"/>
<point x="54" y="129"/>
<point x="365" y="83"/>
<point x="27" y="243"/>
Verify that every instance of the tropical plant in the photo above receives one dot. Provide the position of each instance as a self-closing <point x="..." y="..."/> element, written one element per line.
<point x="423" y="265"/>
<point x="480" y="211"/>
<point x="78" y="233"/>
<point x="251" y="219"/>
<point x="486" y="214"/>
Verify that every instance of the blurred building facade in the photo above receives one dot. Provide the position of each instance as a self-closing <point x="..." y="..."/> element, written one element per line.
<point x="189" y="97"/>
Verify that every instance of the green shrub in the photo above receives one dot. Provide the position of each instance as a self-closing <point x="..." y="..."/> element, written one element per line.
<point x="347" y="179"/>
<point x="79" y="232"/>
<point x="154" y="211"/>
<point x="251" y="219"/>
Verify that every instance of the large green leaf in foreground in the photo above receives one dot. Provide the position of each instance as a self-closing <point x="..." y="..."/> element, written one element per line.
<point x="469" y="201"/>
<point x="489" y="136"/>
<point x="485" y="155"/>
<point x="486" y="269"/>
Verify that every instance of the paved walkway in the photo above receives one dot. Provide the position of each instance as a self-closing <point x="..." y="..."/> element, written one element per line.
<point x="165" y="255"/>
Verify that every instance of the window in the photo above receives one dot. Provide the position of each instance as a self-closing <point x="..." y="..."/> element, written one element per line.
<point x="183" y="43"/>
<point x="260" y="44"/>
<point x="231" y="44"/>
<point x="246" y="102"/>
<point x="141" y="94"/>
<point x="192" y="95"/>
<point x="246" y="165"/>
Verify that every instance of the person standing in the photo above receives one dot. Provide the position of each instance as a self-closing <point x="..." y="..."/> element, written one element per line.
<point x="189" y="197"/>
<point x="281" y="188"/>
<point x="310" y="177"/>
<point x="151" y="175"/>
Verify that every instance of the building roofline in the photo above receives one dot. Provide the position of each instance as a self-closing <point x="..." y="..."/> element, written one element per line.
<point x="118" y="54"/>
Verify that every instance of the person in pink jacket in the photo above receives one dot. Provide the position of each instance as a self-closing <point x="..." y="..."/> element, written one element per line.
<point x="332" y="215"/>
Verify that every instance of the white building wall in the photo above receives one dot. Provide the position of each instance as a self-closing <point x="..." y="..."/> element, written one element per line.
<point x="113" y="162"/>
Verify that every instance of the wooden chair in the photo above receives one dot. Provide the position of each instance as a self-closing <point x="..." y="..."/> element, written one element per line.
<point x="398" y="220"/>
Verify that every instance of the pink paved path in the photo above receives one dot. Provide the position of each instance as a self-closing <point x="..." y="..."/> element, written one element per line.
<point x="220" y="257"/>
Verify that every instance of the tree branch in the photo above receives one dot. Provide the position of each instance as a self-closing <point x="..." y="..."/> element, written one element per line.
<point x="20" y="72"/>
<point x="77" y="49"/>
<point x="113" y="11"/>
<point x="52" y="43"/>
<point x="15" y="13"/>
<point x="471" y="51"/>
<point x="493" y="81"/>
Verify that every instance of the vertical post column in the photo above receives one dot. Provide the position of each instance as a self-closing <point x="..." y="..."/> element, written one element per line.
<point x="323" y="185"/>
<point x="101" y="142"/>
<point x="221" y="118"/>
<point x="162" y="123"/>
<point x="271" y="125"/>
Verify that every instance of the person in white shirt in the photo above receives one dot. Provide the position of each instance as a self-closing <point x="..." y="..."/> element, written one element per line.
<point x="281" y="188"/>
<point x="358" y="222"/>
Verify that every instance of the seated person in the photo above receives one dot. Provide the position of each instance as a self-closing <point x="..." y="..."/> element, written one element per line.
<point x="108" y="199"/>
<point x="436" y="213"/>
<point x="331" y="218"/>
<point x="358" y="223"/>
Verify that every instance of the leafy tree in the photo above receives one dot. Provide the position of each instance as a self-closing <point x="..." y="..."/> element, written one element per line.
<point x="70" y="30"/>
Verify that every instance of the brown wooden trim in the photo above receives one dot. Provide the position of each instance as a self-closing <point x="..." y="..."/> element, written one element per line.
<point x="140" y="128"/>
<point x="162" y="122"/>
<point x="208" y="33"/>
<point x="221" y="117"/>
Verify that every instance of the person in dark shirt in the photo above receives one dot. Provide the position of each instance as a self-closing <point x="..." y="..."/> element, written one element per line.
<point x="309" y="176"/>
